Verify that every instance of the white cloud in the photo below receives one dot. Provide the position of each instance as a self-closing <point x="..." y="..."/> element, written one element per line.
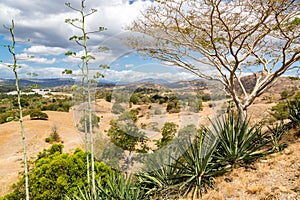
<point x="29" y="58"/>
<point x="131" y="76"/>
<point x="5" y="11"/>
<point x="44" y="50"/>
<point x="43" y="22"/>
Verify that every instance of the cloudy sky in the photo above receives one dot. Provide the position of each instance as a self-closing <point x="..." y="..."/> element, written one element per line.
<point x="43" y="23"/>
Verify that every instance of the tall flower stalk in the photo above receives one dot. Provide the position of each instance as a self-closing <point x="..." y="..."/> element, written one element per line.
<point x="80" y="24"/>
<point x="14" y="66"/>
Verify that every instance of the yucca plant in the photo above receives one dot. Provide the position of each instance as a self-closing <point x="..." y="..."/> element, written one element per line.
<point x="294" y="111"/>
<point x="118" y="187"/>
<point x="239" y="143"/>
<point x="195" y="167"/>
<point x="277" y="132"/>
<point x="157" y="177"/>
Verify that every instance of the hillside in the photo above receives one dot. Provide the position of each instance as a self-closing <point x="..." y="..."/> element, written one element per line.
<point x="274" y="177"/>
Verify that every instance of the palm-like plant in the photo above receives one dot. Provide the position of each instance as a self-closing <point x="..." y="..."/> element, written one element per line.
<point x="238" y="142"/>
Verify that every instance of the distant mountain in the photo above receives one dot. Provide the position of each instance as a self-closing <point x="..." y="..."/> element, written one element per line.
<point x="43" y="83"/>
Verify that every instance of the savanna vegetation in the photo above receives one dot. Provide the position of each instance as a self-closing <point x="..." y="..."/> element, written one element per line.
<point x="31" y="104"/>
<point x="184" y="162"/>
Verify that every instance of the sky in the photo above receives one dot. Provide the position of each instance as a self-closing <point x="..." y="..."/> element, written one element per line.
<point x="43" y="39"/>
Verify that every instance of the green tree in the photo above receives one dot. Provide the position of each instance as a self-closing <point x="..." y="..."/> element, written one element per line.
<point x="232" y="37"/>
<point x="129" y="138"/>
<point x="14" y="66"/>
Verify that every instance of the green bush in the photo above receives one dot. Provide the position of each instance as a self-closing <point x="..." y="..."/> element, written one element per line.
<point x="36" y="114"/>
<point x="168" y="132"/>
<point x="280" y="111"/>
<point x="57" y="174"/>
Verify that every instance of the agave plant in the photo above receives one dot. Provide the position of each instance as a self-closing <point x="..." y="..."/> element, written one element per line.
<point x="294" y="111"/>
<point x="158" y="175"/>
<point x="277" y="132"/>
<point x="239" y="142"/>
<point x="118" y="187"/>
<point x="195" y="167"/>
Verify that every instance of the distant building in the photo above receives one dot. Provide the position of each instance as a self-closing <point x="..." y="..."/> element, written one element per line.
<point x="42" y="92"/>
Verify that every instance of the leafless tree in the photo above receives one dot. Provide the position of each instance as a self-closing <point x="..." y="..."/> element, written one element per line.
<point x="233" y="37"/>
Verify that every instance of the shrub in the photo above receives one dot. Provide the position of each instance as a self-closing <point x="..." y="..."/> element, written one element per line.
<point x="85" y="119"/>
<point x="54" y="136"/>
<point x="57" y="174"/>
<point x="173" y="106"/>
<point x="280" y="111"/>
<point x="168" y="132"/>
<point x="36" y="114"/>
<point x="117" y="108"/>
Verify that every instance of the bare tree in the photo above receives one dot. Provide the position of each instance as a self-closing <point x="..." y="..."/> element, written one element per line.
<point x="233" y="37"/>
<point x="14" y="66"/>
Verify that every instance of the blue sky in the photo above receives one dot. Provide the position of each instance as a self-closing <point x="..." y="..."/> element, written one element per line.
<point x="43" y="23"/>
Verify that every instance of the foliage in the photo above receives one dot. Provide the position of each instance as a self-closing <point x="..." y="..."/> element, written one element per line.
<point x="286" y="93"/>
<point x="117" y="108"/>
<point x="195" y="105"/>
<point x="126" y="136"/>
<point x="54" y="136"/>
<point x="173" y="106"/>
<point x="58" y="174"/>
<point x="294" y="111"/>
<point x="187" y="131"/>
<point x="37" y="114"/>
<point x="280" y="111"/>
<point x="239" y="143"/>
<point x="157" y="176"/>
<point x="130" y="116"/>
<point x="168" y="132"/>
<point x="117" y="187"/>
<point x="84" y="119"/>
